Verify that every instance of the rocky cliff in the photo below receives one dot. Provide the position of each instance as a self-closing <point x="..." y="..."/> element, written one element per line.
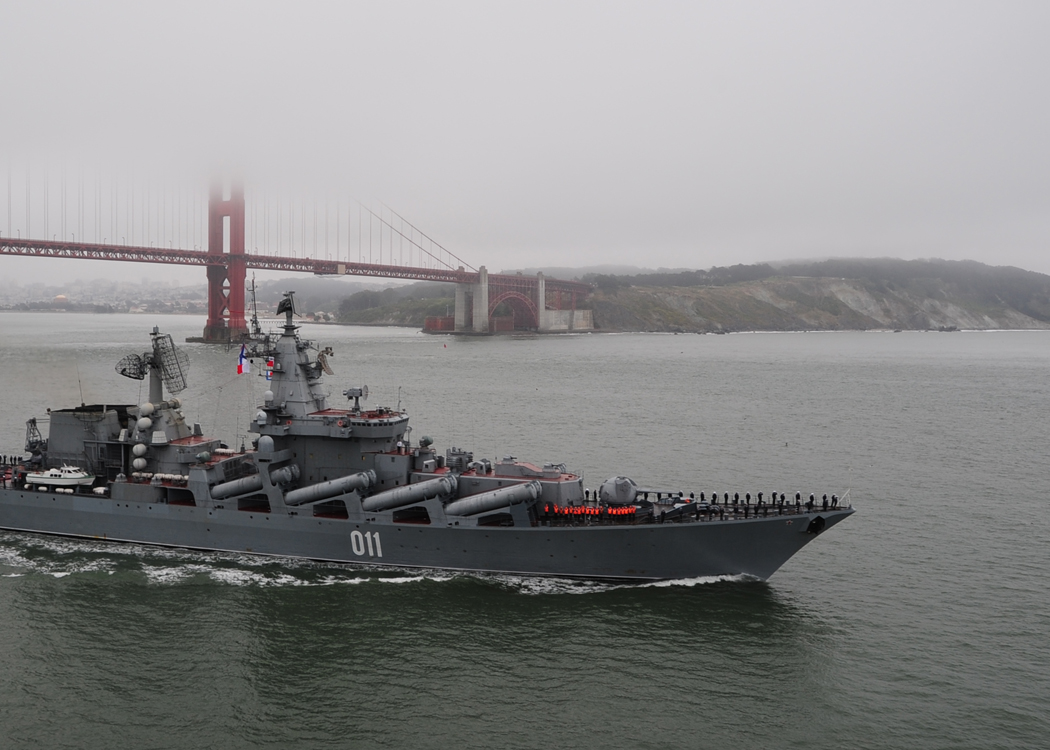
<point x="788" y="303"/>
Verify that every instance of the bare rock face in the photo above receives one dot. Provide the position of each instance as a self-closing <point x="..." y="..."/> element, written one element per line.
<point x="803" y="303"/>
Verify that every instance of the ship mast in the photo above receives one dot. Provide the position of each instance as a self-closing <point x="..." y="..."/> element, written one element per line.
<point x="156" y="385"/>
<point x="256" y="330"/>
<point x="287" y="306"/>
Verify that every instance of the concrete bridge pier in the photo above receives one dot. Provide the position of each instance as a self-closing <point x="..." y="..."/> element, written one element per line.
<point x="527" y="298"/>
<point x="462" y="290"/>
<point x="550" y="320"/>
<point x="541" y="302"/>
<point x="481" y="302"/>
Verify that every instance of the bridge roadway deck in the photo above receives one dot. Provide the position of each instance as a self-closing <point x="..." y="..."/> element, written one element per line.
<point x="171" y="256"/>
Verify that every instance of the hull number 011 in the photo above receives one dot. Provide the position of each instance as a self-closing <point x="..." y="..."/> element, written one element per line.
<point x="369" y="541"/>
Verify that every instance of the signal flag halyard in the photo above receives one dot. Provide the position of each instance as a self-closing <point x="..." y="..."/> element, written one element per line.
<point x="243" y="366"/>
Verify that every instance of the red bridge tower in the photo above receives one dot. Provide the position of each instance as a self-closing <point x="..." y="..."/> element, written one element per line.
<point x="227" y="274"/>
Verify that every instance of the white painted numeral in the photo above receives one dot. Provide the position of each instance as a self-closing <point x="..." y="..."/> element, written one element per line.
<point x="358" y="541"/>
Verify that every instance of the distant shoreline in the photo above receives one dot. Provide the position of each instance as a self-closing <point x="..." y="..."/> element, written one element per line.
<point x="270" y="323"/>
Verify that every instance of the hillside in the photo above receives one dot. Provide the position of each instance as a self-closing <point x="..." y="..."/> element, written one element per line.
<point x="312" y="293"/>
<point x="829" y="295"/>
<point x="407" y="305"/>
<point x="832" y="295"/>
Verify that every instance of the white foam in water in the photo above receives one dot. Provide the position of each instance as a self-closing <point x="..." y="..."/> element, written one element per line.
<point x="165" y="575"/>
<point x="408" y="579"/>
<point x="61" y="569"/>
<point x="235" y="577"/>
<point x="333" y="580"/>
<point x="169" y="566"/>
<point x="535" y="585"/>
<point x="699" y="581"/>
<point x="13" y="558"/>
<point x="168" y="575"/>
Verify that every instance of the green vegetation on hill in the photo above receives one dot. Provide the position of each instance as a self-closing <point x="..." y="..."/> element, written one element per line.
<point x="716" y="276"/>
<point x="826" y="295"/>
<point x="400" y="306"/>
<point x="1024" y="291"/>
<point x="312" y="293"/>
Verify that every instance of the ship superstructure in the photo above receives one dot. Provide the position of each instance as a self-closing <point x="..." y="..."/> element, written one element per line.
<point x="347" y="483"/>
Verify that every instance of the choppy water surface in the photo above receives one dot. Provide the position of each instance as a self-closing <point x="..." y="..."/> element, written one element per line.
<point x="920" y="622"/>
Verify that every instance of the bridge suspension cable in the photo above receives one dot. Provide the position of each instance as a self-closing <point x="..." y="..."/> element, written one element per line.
<point x="441" y="261"/>
<point x="428" y="238"/>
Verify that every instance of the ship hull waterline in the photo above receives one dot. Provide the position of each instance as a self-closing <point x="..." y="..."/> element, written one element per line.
<point x="754" y="547"/>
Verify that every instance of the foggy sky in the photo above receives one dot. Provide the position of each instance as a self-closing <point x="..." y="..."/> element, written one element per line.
<point x="681" y="135"/>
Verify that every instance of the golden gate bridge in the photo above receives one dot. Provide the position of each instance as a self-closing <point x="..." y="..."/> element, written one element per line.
<point x="535" y="302"/>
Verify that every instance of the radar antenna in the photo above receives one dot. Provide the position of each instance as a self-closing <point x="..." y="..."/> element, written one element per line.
<point x="357" y="394"/>
<point x="133" y="366"/>
<point x="171" y="361"/>
<point x="168" y="363"/>
<point x="287" y="307"/>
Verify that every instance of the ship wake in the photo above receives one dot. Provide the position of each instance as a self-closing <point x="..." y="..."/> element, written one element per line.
<point x="24" y="555"/>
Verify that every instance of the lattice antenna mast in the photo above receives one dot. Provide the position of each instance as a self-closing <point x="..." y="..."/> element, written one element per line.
<point x="156" y="390"/>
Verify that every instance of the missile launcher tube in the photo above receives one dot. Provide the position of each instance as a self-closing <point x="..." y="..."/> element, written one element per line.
<point x="240" y="486"/>
<point x="500" y="498"/>
<point x="323" y="490"/>
<point x="411" y="493"/>
<point x="254" y="483"/>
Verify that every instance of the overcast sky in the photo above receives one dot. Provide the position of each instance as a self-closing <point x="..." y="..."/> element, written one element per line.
<point x="572" y="134"/>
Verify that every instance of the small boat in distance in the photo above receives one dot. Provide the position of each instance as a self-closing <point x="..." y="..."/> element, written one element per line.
<point x="63" y="476"/>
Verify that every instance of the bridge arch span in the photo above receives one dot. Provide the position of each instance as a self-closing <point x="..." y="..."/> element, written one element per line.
<point x="520" y="303"/>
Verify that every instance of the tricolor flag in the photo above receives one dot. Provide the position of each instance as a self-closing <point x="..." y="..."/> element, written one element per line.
<point x="243" y="366"/>
<point x="269" y="368"/>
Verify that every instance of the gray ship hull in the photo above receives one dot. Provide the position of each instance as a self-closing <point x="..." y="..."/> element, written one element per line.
<point x="348" y="485"/>
<point x="643" y="552"/>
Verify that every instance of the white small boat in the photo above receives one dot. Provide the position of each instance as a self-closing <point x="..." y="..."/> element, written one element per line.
<point x="65" y="476"/>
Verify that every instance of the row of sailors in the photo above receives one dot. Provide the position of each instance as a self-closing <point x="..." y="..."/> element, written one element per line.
<point x="810" y="504"/>
<point x="588" y="510"/>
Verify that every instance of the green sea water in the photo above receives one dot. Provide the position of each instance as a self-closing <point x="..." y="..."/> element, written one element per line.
<point x="920" y="622"/>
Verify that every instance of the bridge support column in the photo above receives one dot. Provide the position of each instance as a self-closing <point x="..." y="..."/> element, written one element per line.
<point x="227" y="273"/>
<point x="481" y="302"/>
<point x="542" y="323"/>
<point x="461" y="306"/>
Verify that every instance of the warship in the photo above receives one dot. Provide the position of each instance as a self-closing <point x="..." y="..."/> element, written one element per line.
<point x="345" y="483"/>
